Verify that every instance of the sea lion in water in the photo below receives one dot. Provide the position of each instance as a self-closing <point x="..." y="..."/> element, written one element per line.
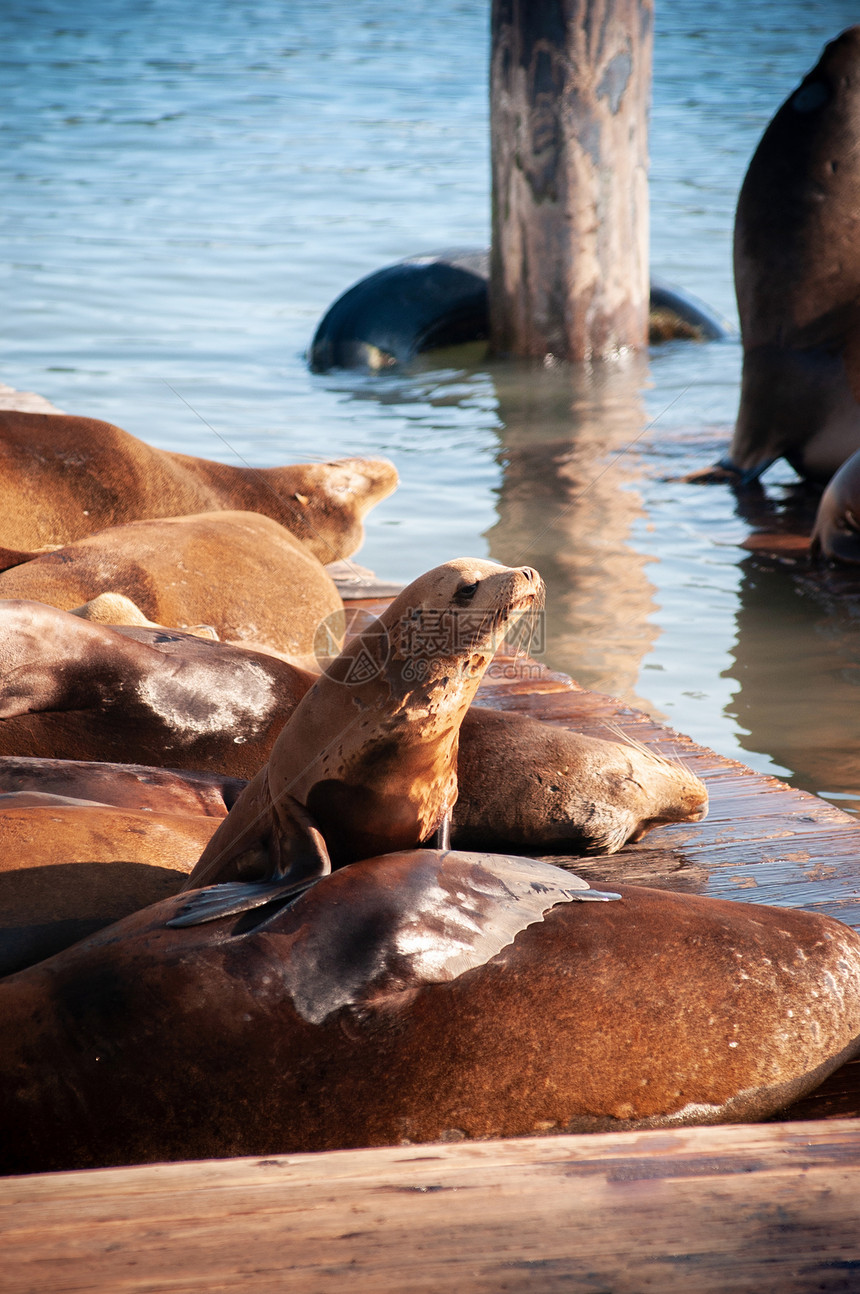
<point x="62" y="478"/>
<point x="367" y="763"/>
<point x="797" y="277"/>
<point x="68" y="867"/>
<point x="239" y="572"/>
<point x="419" y="996"/>
<point x="77" y="690"/>
<point x="836" y="534"/>
<point x="527" y="783"/>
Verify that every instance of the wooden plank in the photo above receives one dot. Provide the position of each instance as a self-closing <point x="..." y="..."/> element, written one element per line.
<point x="699" y="1209"/>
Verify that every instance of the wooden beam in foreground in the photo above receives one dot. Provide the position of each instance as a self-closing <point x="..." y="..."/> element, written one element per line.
<point x="729" y="1209"/>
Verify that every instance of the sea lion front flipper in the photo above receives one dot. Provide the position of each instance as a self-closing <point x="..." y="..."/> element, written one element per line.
<point x="262" y="840"/>
<point x="234" y="897"/>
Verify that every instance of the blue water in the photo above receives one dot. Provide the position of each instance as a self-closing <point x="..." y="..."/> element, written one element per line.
<point x="185" y="191"/>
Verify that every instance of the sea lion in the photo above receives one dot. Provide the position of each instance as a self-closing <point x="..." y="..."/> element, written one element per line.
<point x="77" y="690"/>
<point x="836" y="533"/>
<point x="527" y="783"/>
<point x="125" y="786"/>
<point x="797" y="277"/>
<point x="62" y="478"/>
<point x="367" y="763"/>
<point x="239" y="572"/>
<point x="521" y="782"/>
<point x="439" y="299"/>
<point x="419" y="996"/>
<point x="68" y="867"/>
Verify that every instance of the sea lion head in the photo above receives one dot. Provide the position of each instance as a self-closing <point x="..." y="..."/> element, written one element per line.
<point x="449" y="623"/>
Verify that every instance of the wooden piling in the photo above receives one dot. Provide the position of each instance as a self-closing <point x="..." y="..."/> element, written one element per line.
<point x="569" y="90"/>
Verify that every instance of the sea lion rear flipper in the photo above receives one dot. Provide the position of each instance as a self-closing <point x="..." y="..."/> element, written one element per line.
<point x="234" y="897"/>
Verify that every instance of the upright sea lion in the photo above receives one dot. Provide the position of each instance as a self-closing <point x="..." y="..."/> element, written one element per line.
<point x="797" y="277"/>
<point x="368" y="761"/>
<point x="239" y="572"/>
<point x="62" y="478"/>
<point x="419" y="996"/>
<point x="72" y="689"/>
<point x="527" y="783"/>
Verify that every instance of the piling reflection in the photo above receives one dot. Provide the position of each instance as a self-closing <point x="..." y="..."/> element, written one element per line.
<point x="566" y="505"/>
<point x="797" y="666"/>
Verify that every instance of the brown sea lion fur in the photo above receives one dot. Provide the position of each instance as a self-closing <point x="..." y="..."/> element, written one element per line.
<point x="77" y="690"/>
<point x="419" y="997"/>
<point x="117" y="609"/>
<point x="527" y="783"/>
<point x="62" y="478"/>
<point x="125" y="786"/>
<point x="370" y="752"/>
<point x="68" y="868"/>
<point x="239" y="572"/>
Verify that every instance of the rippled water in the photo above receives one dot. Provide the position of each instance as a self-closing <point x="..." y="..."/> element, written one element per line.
<point x="186" y="190"/>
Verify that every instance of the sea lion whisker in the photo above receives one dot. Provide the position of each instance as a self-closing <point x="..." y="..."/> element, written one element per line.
<point x="627" y="739"/>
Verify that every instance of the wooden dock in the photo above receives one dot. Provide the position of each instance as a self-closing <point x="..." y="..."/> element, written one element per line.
<point x="737" y="1208"/>
<point x="734" y="1210"/>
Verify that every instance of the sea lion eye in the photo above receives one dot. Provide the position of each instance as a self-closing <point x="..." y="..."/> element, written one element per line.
<point x="466" y="592"/>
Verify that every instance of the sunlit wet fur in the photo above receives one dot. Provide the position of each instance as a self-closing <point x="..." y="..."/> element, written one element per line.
<point x="369" y="756"/>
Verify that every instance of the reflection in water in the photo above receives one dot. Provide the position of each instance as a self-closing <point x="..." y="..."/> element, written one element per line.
<point x="797" y="663"/>
<point x="563" y="508"/>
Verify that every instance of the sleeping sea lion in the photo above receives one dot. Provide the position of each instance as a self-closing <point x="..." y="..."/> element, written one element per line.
<point x="367" y="763"/>
<point x="62" y="478"/>
<point x="527" y="783"/>
<point x="797" y="277"/>
<point x="239" y="572"/>
<point x="77" y="690"/>
<point x="419" y="996"/>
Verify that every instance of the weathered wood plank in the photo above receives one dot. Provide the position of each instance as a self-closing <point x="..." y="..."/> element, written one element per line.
<point x="699" y="1209"/>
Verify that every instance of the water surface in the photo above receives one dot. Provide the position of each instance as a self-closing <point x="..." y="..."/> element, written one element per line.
<point x="185" y="191"/>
